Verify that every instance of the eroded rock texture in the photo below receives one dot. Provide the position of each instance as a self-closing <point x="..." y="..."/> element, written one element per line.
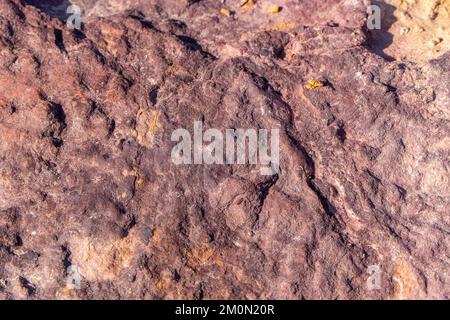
<point x="87" y="182"/>
<point x="418" y="30"/>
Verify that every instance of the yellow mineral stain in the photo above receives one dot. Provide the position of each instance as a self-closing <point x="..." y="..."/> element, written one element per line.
<point x="313" y="84"/>
<point x="103" y="260"/>
<point x="139" y="182"/>
<point x="225" y="12"/>
<point x="285" y="26"/>
<point x="246" y="36"/>
<point x="80" y="95"/>
<point x="111" y="37"/>
<point x="153" y="123"/>
<point x="156" y="235"/>
<point x="203" y="256"/>
<point x="147" y="126"/>
<point x="405" y="281"/>
<point x="162" y="284"/>
<point x="289" y="56"/>
<point x="66" y="293"/>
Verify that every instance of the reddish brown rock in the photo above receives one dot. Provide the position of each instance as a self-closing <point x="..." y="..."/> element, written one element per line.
<point x="87" y="182"/>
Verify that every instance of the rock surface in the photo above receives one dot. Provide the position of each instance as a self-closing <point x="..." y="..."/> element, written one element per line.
<point x="87" y="183"/>
<point x="414" y="30"/>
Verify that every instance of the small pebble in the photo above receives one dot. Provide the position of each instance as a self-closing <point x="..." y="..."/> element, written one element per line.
<point x="313" y="84"/>
<point x="225" y="12"/>
<point x="273" y="9"/>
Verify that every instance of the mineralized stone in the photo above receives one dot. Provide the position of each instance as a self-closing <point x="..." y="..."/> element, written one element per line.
<point x="93" y="207"/>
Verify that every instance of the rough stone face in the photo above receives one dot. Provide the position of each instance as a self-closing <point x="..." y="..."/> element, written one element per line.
<point x="414" y="30"/>
<point x="87" y="182"/>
